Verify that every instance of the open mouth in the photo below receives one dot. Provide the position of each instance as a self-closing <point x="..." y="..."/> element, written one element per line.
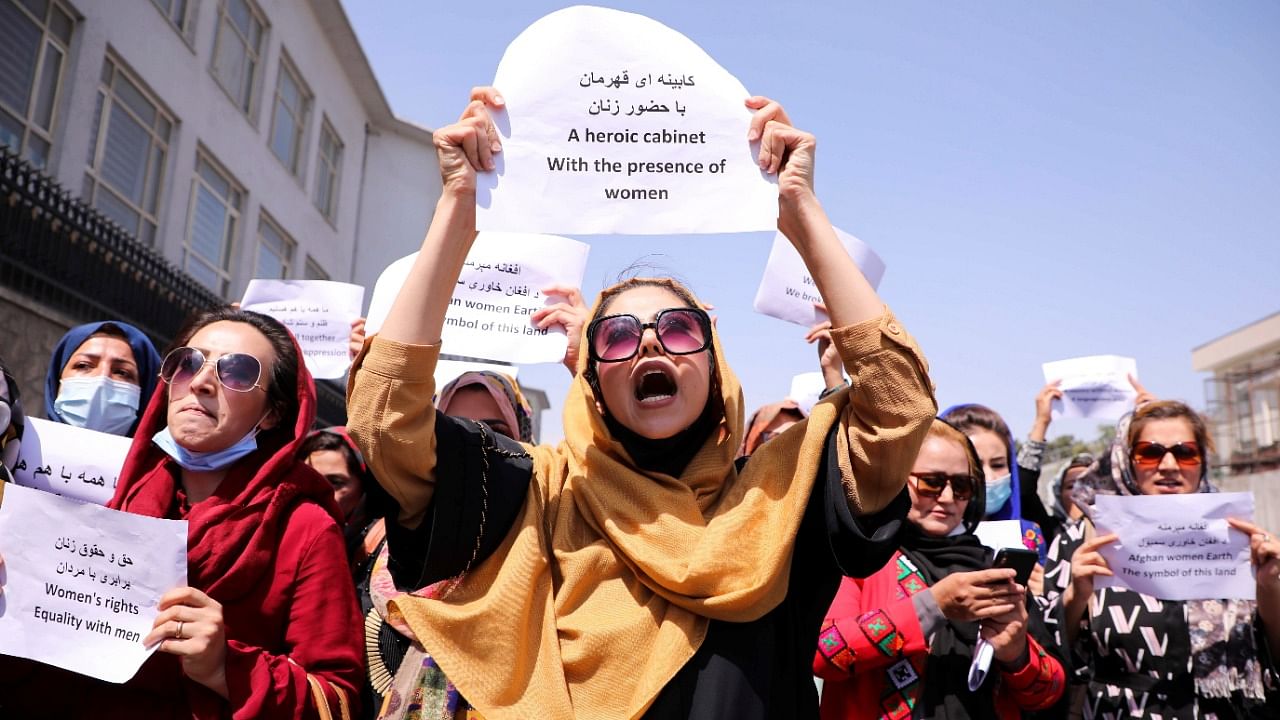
<point x="654" y="386"/>
<point x="1169" y="484"/>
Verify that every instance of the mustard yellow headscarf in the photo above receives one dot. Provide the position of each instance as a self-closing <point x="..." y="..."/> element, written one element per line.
<point x="606" y="584"/>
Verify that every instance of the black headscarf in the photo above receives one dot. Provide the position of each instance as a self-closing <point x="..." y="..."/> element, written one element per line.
<point x="945" y="692"/>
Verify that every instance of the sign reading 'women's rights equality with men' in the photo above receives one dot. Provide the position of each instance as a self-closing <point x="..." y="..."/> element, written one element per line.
<point x="83" y="585"/>
<point x="499" y="288"/>
<point x="615" y="123"/>
<point x="1177" y="547"/>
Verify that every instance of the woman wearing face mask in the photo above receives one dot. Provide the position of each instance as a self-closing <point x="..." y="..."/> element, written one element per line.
<point x="264" y="629"/>
<point x="994" y="442"/>
<point x="1143" y="657"/>
<point x="900" y="642"/>
<point x="100" y="377"/>
<point x="632" y="571"/>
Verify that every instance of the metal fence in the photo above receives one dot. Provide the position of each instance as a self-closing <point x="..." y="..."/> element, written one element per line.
<point x="63" y="254"/>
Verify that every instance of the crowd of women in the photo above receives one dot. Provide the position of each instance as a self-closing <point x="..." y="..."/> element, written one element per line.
<point x="668" y="559"/>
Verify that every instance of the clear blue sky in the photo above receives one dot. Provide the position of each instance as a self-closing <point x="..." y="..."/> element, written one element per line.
<point x="1043" y="180"/>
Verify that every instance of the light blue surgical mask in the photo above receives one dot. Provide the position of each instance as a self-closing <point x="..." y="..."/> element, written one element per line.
<point x="98" y="403"/>
<point x="998" y="492"/>
<point x="206" y="461"/>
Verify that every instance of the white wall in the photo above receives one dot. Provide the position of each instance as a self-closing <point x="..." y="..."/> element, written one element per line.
<point x="177" y="74"/>
<point x="402" y="183"/>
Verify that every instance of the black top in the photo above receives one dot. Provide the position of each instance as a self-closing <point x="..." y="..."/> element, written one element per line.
<point x="746" y="671"/>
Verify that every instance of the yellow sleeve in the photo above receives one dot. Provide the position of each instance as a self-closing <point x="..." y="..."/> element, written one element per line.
<point x="890" y="407"/>
<point x="391" y="415"/>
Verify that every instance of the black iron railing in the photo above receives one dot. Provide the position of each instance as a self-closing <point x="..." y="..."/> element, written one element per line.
<point x="65" y="255"/>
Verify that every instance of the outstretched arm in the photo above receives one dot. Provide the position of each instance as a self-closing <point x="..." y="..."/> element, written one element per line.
<point x="389" y="395"/>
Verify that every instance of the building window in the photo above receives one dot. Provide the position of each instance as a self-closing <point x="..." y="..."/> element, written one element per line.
<point x="128" y="144"/>
<point x="289" y="116"/>
<point x="181" y="15"/>
<point x="216" y="203"/>
<point x="328" y="172"/>
<point x="275" y="250"/>
<point x="314" y="271"/>
<point x="34" y="36"/>
<point x="237" y="50"/>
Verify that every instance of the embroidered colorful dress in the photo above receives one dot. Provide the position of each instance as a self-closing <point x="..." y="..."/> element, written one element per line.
<point x="872" y="651"/>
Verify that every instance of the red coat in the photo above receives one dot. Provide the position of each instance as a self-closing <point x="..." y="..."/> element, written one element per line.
<point x="267" y="547"/>
<point x="303" y="608"/>
<point x="872" y="643"/>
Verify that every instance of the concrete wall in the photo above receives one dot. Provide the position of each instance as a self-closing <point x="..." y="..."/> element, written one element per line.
<point x="1266" y="495"/>
<point x="30" y="331"/>
<point x="401" y="185"/>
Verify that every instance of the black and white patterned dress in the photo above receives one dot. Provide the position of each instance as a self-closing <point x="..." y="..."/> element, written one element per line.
<point x="1133" y="652"/>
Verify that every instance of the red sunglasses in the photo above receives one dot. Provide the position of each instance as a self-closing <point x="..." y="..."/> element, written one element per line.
<point x="1148" y="454"/>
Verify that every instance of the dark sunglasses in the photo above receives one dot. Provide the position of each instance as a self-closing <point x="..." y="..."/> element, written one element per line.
<point x="236" y="371"/>
<point x="680" y="331"/>
<point x="1148" y="454"/>
<point x="931" y="484"/>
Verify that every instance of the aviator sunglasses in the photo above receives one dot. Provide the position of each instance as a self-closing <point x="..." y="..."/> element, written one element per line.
<point x="239" y="372"/>
<point x="1147" y="454"/>
<point x="931" y="484"/>
<point x="680" y="331"/>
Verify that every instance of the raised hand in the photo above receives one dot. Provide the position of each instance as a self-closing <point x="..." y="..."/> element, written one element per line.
<point x="828" y="357"/>
<point x="469" y="145"/>
<point x="570" y="314"/>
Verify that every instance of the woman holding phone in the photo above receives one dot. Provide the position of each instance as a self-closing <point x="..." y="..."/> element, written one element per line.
<point x="1143" y="657"/>
<point x="899" y="643"/>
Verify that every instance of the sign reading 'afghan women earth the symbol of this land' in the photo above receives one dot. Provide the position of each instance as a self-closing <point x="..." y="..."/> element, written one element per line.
<point x="615" y="123"/>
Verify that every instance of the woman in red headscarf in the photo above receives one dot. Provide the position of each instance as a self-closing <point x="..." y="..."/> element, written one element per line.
<point x="264" y="628"/>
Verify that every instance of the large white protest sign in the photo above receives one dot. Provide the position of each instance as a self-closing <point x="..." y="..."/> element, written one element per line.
<point x="615" y="123"/>
<point x="787" y="291"/>
<point x="1177" y="547"/>
<point x="1093" y="387"/>
<point x="500" y="287"/>
<point x="319" y="313"/>
<point x="82" y="583"/>
<point x="70" y="461"/>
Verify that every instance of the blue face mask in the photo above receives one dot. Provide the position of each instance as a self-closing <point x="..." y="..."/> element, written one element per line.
<point x="998" y="492"/>
<point x="98" y="403"/>
<point x="206" y="461"/>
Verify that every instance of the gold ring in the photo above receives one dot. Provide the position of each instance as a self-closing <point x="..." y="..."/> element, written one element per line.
<point x="178" y="636"/>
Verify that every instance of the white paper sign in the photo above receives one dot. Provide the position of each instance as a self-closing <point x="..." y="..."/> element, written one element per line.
<point x="82" y="583"/>
<point x="615" y="123"/>
<point x="787" y="291"/>
<point x="70" y="461"/>
<point x="319" y="313"/>
<point x="500" y="287"/>
<point x="997" y="534"/>
<point x="1093" y="387"/>
<point x="1177" y="547"/>
<point x="449" y="370"/>
<point x="806" y="390"/>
